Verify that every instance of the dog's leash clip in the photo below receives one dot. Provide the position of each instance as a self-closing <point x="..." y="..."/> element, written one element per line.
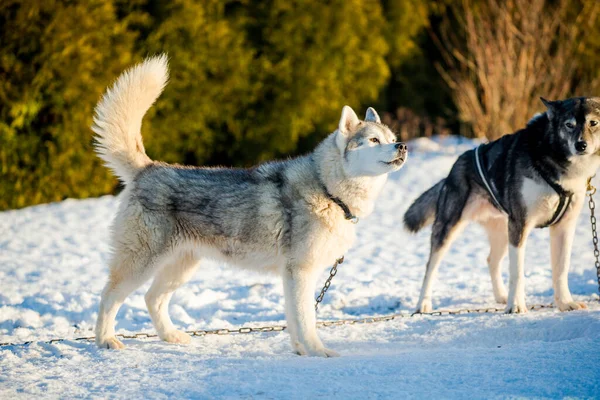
<point x="353" y="219"/>
<point x="591" y="189"/>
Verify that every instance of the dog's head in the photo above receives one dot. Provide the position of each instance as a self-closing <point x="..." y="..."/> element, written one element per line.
<point x="368" y="148"/>
<point x="575" y="123"/>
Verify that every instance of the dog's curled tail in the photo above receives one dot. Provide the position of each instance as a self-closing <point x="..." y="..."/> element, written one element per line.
<point x="422" y="211"/>
<point x="118" y="116"/>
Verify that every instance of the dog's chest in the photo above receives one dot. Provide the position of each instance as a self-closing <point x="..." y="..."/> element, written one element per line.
<point x="327" y="245"/>
<point x="541" y="201"/>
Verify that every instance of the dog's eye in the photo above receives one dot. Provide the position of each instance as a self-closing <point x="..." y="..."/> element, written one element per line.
<point x="570" y="125"/>
<point x="593" y="123"/>
<point x="374" y="140"/>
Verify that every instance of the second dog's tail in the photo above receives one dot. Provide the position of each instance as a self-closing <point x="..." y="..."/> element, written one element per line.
<point x="422" y="211"/>
<point x="118" y="116"/>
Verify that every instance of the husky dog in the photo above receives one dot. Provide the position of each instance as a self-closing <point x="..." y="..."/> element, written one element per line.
<point x="533" y="178"/>
<point x="292" y="217"/>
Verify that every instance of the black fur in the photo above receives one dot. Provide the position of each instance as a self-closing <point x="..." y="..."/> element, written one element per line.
<point x="542" y="148"/>
<point x="423" y="209"/>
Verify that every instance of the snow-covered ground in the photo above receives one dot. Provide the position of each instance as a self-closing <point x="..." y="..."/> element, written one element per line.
<point x="53" y="267"/>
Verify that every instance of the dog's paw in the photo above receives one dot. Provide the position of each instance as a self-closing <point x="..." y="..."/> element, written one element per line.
<point x="517" y="307"/>
<point x="323" y="352"/>
<point x="331" y="353"/>
<point x="110" y="343"/>
<point x="176" y="337"/>
<point x="317" y="350"/>
<point x="298" y="348"/>
<point x="424" y="307"/>
<point x="571" y="306"/>
<point x="501" y="298"/>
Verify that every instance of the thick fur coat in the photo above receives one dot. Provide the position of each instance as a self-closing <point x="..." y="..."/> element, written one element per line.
<point x="559" y="149"/>
<point x="278" y="217"/>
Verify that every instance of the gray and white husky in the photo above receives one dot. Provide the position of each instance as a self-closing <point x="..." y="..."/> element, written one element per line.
<point x="533" y="178"/>
<point x="292" y="217"/>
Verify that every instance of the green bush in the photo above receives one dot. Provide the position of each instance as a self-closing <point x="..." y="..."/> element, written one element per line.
<point x="250" y="80"/>
<point x="55" y="60"/>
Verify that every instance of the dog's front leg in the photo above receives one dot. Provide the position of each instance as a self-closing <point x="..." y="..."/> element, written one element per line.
<point x="517" y="235"/>
<point x="299" y="287"/>
<point x="561" y="242"/>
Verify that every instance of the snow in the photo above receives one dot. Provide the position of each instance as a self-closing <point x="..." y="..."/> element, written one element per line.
<point x="53" y="267"/>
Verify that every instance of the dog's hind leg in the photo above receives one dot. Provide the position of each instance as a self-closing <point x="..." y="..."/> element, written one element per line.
<point x="169" y="278"/>
<point x="127" y="273"/>
<point x="497" y="232"/>
<point x="447" y="225"/>
<point x="439" y="247"/>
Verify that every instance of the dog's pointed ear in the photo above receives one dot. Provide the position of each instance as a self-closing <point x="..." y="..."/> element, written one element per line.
<point x="550" y="107"/>
<point x="348" y="122"/>
<point x="372" y="115"/>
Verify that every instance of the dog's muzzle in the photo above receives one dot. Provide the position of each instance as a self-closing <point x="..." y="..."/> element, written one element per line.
<point x="402" y="148"/>
<point x="580" y="146"/>
<point x="402" y="151"/>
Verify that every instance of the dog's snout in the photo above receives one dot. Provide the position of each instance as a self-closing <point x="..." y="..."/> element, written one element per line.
<point x="401" y="147"/>
<point x="581" y="146"/>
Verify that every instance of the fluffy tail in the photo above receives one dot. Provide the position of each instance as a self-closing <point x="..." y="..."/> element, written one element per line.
<point x="422" y="211"/>
<point x="118" y="116"/>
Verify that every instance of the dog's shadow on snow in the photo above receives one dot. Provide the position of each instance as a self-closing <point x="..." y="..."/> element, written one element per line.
<point x="582" y="284"/>
<point x="235" y="305"/>
<point x="381" y="304"/>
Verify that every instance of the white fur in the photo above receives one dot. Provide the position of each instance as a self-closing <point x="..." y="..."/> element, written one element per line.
<point x="145" y="248"/>
<point x="118" y="116"/>
<point x="372" y="116"/>
<point x="349" y="121"/>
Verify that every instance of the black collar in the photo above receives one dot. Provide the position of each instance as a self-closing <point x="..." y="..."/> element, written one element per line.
<point x="347" y="213"/>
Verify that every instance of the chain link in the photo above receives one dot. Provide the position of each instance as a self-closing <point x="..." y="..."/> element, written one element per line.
<point x="591" y="190"/>
<point x="280" y="328"/>
<point x="332" y="273"/>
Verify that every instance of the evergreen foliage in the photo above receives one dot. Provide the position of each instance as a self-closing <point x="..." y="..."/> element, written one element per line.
<point x="250" y="80"/>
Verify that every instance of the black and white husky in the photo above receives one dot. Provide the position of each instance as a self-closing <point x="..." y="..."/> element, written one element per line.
<point x="290" y="217"/>
<point x="533" y="178"/>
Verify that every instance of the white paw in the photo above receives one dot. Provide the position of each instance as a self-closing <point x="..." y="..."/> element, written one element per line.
<point x="424" y="306"/>
<point x="501" y="298"/>
<point x="517" y="307"/>
<point x="176" y="337"/>
<point x="331" y="353"/>
<point x="572" y="305"/>
<point x="110" y="343"/>
<point x="298" y="348"/>
<point x="322" y="352"/>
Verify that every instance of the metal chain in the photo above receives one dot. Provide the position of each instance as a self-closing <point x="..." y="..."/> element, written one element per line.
<point x="332" y="273"/>
<point x="279" y="328"/>
<point x="591" y="190"/>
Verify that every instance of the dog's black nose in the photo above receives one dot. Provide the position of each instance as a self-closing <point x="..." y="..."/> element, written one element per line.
<point x="401" y="147"/>
<point x="581" y="146"/>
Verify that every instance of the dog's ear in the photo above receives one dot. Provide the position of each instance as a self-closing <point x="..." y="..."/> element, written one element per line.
<point x="372" y="115"/>
<point x="550" y="106"/>
<point x="349" y="121"/>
